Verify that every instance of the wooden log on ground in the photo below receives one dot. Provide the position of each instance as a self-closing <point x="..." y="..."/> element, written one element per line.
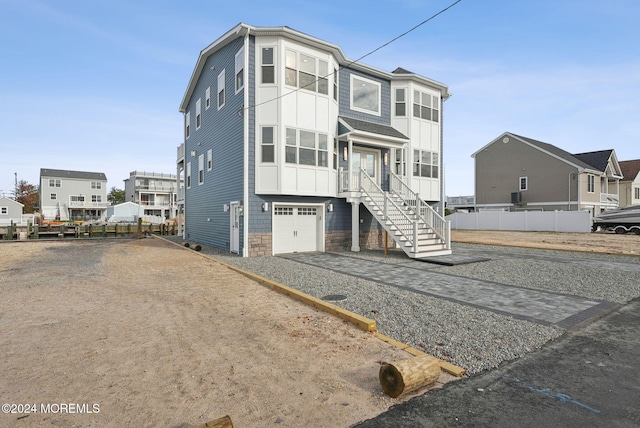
<point x="196" y="247"/>
<point x="408" y="375"/>
<point x="186" y="244"/>
<point x="224" y="422"/>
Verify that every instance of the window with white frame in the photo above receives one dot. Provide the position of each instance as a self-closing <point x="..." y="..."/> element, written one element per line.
<point x="96" y="198"/>
<point x="425" y="164"/>
<point x="209" y="160"/>
<point x="267" y="144"/>
<point x="268" y="65"/>
<point x="426" y="106"/>
<point x="637" y="192"/>
<point x="4" y="210"/>
<point x="306" y="148"/>
<point x="221" y="90"/>
<point x="201" y="169"/>
<point x="198" y="114"/>
<point x="76" y="198"/>
<point x="400" y="102"/>
<point x="53" y="196"/>
<point x="54" y="182"/>
<point x="240" y="69"/>
<point x="188" y="175"/>
<point x="591" y="183"/>
<point x="365" y="95"/>
<point x="187" y="130"/>
<point x="306" y="72"/>
<point x="523" y="183"/>
<point x="400" y="162"/>
<point x="96" y="185"/>
<point x="207" y="98"/>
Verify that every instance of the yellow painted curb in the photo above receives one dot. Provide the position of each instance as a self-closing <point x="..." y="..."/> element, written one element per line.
<point x="361" y="322"/>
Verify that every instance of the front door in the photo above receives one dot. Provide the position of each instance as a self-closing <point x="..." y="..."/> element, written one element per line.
<point x="369" y="160"/>
<point x="234" y="230"/>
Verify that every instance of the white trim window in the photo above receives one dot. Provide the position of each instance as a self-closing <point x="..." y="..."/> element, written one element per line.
<point x="187" y="126"/>
<point x="302" y="71"/>
<point x="637" y="192"/>
<point x="221" y="89"/>
<point x="54" y="182"/>
<point x="240" y="70"/>
<point x="306" y="148"/>
<point x="96" y="185"/>
<point x="201" y="169"/>
<point x="207" y="98"/>
<point x="523" y="183"/>
<point x="188" y="175"/>
<point x="591" y="183"/>
<point x="4" y="210"/>
<point x="400" y="102"/>
<point x="268" y="70"/>
<point x="53" y="196"/>
<point x="209" y="160"/>
<point x="96" y="199"/>
<point x="425" y="164"/>
<point x="365" y="95"/>
<point x="335" y="84"/>
<point x="198" y="114"/>
<point x="267" y="145"/>
<point x="426" y="106"/>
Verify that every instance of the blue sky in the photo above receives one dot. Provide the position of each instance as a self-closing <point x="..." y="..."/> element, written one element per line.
<point x="95" y="85"/>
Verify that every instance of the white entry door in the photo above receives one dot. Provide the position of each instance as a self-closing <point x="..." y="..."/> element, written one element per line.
<point x="296" y="229"/>
<point x="369" y="160"/>
<point x="234" y="229"/>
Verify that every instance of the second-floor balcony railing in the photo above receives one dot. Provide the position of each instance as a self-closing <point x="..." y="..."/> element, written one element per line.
<point x="609" y="198"/>
<point x="180" y="151"/>
<point x="87" y="204"/>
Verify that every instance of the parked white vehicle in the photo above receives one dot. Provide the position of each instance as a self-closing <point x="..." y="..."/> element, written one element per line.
<point x="624" y="220"/>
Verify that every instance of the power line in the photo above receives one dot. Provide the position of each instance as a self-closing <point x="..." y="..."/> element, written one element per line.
<point x="361" y="58"/>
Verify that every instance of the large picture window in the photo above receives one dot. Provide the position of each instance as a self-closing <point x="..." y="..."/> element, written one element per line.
<point x="306" y="72"/>
<point x="365" y="95"/>
<point x="426" y="106"/>
<point x="425" y="164"/>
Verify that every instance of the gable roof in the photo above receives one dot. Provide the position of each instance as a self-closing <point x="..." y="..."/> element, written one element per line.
<point x="630" y="169"/>
<point x="4" y="199"/>
<point x="82" y="175"/>
<point x="242" y="29"/>
<point x="373" y="128"/>
<point x="599" y="160"/>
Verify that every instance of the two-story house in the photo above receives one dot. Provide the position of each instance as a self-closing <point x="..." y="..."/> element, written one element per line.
<point x="289" y="147"/>
<point x="519" y="173"/>
<point x="630" y="184"/>
<point x="156" y="192"/>
<point x="72" y="195"/>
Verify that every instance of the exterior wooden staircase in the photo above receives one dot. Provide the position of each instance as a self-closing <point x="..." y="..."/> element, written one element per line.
<point x="412" y="223"/>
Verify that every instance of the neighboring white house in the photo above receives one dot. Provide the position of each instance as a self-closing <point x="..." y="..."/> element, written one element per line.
<point x="72" y="195"/>
<point x="10" y="211"/>
<point x="124" y="212"/>
<point x="156" y="192"/>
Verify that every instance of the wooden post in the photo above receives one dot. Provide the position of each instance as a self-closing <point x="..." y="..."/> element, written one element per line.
<point x="386" y="248"/>
<point x="139" y="225"/>
<point x="224" y="422"/>
<point x="408" y="375"/>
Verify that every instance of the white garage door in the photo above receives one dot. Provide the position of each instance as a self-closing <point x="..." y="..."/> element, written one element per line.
<point x="296" y="229"/>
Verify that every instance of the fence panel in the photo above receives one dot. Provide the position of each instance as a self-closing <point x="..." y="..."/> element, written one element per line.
<point x="527" y="221"/>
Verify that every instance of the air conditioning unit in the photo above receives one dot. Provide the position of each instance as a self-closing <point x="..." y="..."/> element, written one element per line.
<point x="516" y="197"/>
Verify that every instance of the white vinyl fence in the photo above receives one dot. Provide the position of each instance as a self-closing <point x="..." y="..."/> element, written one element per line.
<point x="528" y="221"/>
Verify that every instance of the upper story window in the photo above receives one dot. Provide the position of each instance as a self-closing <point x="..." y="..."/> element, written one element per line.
<point x="54" y="182"/>
<point x="426" y="106"/>
<point x="524" y="183"/>
<point x="188" y="175"/>
<point x="365" y="95"/>
<point x="591" y="183"/>
<point x="200" y="169"/>
<point x="425" y="164"/>
<point x="637" y="192"/>
<point x="305" y="72"/>
<point x="268" y="65"/>
<point x="306" y="148"/>
<point x="401" y="102"/>
<point x="240" y="70"/>
<point x="267" y="144"/>
<point x="187" y="127"/>
<point x="207" y="98"/>
<point x="96" y="198"/>
<point x="221" y="90"/>
<point x="96" y="185"/>
<point x="198" y="114"/>
<point x="209" y="160"/>
<point x="335" y="84"/>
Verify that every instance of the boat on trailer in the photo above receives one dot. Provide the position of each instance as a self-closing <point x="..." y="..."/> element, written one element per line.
<point x="623" y="220"/>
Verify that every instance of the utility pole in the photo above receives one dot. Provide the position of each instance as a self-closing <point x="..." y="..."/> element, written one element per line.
<point x="15" y="194"/>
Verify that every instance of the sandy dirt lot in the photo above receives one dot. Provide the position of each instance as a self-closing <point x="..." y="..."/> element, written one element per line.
<point x="600" y="242"/>
<point x="147" y="333"/>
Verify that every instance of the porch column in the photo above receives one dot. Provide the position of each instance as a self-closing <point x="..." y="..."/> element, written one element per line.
<point x="355" y="227"/>
<point x="352" y="186"/>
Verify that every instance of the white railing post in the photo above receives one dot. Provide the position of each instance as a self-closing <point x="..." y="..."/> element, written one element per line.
<point x="386" y="205"/>
<point x="415" y="237"/>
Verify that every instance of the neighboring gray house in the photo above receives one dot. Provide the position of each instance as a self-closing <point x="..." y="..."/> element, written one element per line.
<point x="289" y="146"/>
<point x="518" y="173"/>
<point x="156" y="192"/>
<point x="72" y="195"/>
<point x="10" y="210"/>
<point x="630" y="184"/>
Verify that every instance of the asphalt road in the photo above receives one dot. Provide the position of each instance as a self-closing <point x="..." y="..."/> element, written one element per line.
<point x="589" y="377"/>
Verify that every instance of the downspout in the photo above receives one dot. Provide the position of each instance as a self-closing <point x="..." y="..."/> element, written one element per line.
<point x="181" y="232"/>
<point x="440" y="205"/>
<point x="245" y="114"/>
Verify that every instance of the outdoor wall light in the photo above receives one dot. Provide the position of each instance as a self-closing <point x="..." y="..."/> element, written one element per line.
<point x="345" y="153"/>
<point x="225" y="207"/>
<point x="193" y="153"/>
<point x="265" y="206"/>
<point x="386" y="158"/>
<point x="330" y="208"/>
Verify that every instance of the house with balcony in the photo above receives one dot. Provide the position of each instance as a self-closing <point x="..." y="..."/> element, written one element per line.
<point x="289" y="146"/>
<point x="630" y="184"/>
<point x="518" y="173"/>
<point x="72" y="195"/>
<point x="156" y="192"/>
